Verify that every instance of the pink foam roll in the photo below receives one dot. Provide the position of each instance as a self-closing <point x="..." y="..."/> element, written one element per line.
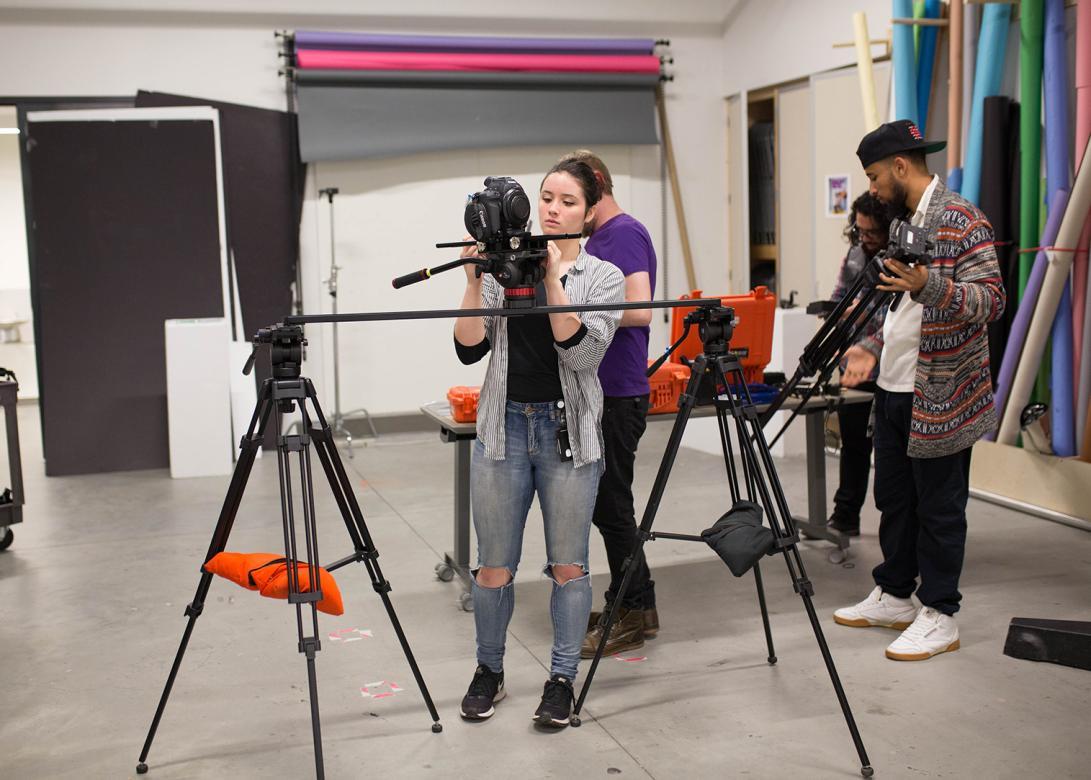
<point x="405" y="60"/>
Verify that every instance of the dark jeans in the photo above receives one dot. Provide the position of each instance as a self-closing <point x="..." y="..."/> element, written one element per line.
<point x="923" y="504"/>
<point x="623" y="422"/>
<point x="855" y="464"/>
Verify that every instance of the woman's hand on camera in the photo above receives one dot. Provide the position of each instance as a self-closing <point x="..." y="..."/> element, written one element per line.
<point x="472" y="277"/>
<point x="552" y="262"/>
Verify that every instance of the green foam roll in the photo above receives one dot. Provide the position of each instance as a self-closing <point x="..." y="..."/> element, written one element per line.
<point x="1030" y="134"/>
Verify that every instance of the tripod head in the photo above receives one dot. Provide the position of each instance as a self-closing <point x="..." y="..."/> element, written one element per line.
<point x="715" y="325"/>
<point x="286" y="345"/>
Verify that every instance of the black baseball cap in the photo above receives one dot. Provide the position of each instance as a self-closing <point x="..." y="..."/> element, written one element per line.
<point x="894" y="138"/>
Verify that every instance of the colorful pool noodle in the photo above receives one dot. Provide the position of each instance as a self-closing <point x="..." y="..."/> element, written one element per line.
<point x="971" y="27"/>
<point x="1017" y="335"/>
<point x="954" y="96"/>
<point x="987" y="74"/>
<point x="905" y="65"/>
<point x="1058" y="149"/>
<point x="864" y="70"/>
<point x="926" y="60"/>
<point x="1045" y="309"/>
<point x="330" y="59"/>
<point x="313" y="39"/>
<point x="1081" y="312"/>
<point x="1030" y="137"/>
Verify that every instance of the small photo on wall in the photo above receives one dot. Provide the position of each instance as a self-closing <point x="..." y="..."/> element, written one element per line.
<point x="837" y="195"/>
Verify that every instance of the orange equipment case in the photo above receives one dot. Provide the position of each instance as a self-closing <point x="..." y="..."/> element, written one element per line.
<point x="753" y="337"/>
<point x="667" y="383"/>
<point x="463" y="401"/>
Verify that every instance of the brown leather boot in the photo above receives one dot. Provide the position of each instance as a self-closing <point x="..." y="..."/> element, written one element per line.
<point x="627" y="634"/>
<point x="651" y="622"/>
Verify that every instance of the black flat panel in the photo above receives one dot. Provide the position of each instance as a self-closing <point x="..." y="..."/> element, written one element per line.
<point x="125" y="225"/>
<point x="263" y="181"/>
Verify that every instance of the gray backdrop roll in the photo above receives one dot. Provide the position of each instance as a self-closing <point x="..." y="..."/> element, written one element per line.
<point x="353" y="121"/>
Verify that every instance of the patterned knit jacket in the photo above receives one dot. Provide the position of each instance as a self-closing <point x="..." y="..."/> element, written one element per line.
<point x="952" y="397"/>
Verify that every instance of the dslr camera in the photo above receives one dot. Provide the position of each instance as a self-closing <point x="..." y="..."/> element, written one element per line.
<point x="497" y="218"/>
<point x="906" y="244"/>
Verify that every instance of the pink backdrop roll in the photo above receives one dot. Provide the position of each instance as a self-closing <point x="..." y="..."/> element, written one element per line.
<point x="401" y="60"/>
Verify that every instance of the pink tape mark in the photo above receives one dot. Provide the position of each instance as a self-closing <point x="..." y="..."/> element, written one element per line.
<point x="633" y="659"/>
<point x="368" y="691"/>
<point x="350" y="634"/>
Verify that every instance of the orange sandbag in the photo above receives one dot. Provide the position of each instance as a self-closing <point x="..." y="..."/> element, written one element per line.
<point x="237" y="566"/>
<point x="267" y="573"/>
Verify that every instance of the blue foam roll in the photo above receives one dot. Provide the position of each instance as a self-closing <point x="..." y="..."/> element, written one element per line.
<point x="925" y="61"/>
<point x="1058" y="159"/>
<point x="1062" y="421"/>
<point x="905" y="65"/>
<point x="954" y="180"/>
<point x="987" y="73"/>
<point x="1055" y="95"/>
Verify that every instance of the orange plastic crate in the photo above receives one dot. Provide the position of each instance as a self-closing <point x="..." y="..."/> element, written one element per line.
<point x="668" y="382"/>
<point x="753" y="337"/>
<point x="463" y="401"/>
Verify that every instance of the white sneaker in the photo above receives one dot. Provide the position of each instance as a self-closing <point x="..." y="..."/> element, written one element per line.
<point x="878" y="609"/>
<point x="932" y="633"/>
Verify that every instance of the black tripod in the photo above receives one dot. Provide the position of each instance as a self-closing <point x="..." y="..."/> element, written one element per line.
<point x="849" y="318"/>
<point x="719" y="369"/>
<point x="281" y="394"/>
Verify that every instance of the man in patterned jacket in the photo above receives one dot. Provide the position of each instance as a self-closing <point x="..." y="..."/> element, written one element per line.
<point x="934" y="396"/>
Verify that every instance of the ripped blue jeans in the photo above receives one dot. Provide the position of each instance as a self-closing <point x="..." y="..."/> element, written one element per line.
<point x="501" y="492"/>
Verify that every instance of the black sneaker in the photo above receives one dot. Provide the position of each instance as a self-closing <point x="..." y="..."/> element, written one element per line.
<point x="556" y="706"/>
<point x="486" y="689"/>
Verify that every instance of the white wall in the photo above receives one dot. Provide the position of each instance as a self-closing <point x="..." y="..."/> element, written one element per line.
<point x="772" y="41"/>
<point x="227" y="51"/>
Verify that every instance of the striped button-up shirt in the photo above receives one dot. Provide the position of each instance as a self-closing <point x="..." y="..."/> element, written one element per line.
<point x="589" y="281"/>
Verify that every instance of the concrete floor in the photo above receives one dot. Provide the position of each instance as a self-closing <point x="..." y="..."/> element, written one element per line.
<point x="94" y="587"/>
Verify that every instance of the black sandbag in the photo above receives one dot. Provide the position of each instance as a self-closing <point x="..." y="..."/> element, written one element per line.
<point x="739" y="537"/>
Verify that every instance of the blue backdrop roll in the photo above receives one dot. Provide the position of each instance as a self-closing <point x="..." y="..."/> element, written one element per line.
<point x="905" y="65"/>
<point x="987" y="74"/>
<point x="1058" y="161"/>
<point x="925" y="62"/>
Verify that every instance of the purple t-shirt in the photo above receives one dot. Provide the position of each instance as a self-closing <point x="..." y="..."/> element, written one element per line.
<point x="624" y="242"/>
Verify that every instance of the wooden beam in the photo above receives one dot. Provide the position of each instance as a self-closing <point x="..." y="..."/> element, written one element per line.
<point x="672" y="170"/>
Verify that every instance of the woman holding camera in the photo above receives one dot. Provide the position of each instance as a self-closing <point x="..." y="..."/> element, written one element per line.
<point x="539" y="432"/>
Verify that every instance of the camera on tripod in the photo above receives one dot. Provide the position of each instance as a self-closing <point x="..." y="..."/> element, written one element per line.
<point x="497" y="218"/>
<point x="907" y="244"/>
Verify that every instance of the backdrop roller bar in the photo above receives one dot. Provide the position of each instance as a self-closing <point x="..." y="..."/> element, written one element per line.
<point x="455" y="78"/>
<point x="313" y="39"/>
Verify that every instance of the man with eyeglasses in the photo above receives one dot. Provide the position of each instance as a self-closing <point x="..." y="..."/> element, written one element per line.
<point x="869" y="224"/>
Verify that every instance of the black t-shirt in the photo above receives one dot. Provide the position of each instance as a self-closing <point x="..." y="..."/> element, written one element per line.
<point x="533" y="376"/>
<point x="532" y="361"/>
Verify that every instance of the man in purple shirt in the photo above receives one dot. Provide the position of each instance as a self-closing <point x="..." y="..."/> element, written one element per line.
<point x="619" y="239"/>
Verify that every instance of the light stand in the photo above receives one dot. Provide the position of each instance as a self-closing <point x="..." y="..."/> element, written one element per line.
<point x="338" y="421"/>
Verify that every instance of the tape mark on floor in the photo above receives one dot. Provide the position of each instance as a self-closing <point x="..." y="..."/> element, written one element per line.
<point x="380" y="689"/>
<point x="350" y="634"/>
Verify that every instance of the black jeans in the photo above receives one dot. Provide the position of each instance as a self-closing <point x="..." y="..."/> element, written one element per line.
<point x="855" y="463"/>
<point x="623" y="422"/>
<point x="923" y="504"/>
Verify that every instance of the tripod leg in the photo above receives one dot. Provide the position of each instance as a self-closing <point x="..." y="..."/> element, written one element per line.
<point x="251" y="442"/>
<point x="757" y="455"/>
<point x="686" y="402"/>
<point x="341" y="487"/>
<point x="764" y="615"/>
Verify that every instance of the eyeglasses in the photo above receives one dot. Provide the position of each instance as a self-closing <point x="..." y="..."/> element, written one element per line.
<point x="876" y="233"/>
